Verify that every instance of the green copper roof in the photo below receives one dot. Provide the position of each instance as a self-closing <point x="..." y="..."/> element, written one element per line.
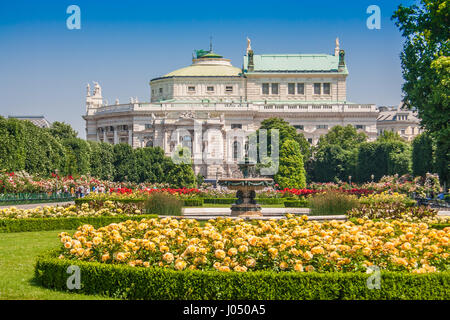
<point x="296" y="63"/>
<point x="211" y="55"/>
<point x="202" y="70"/>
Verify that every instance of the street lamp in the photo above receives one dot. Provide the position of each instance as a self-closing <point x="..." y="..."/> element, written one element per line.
<point x="350" y="179"/>
<point x="372" y="176"/>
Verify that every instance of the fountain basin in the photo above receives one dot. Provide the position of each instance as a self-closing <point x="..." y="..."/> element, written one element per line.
<point x="246" y="193"/>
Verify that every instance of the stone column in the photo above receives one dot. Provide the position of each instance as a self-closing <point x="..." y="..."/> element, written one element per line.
<point x="105" y="139"/>
<point x="116" y="138"/>
<point x="130" y="135"/>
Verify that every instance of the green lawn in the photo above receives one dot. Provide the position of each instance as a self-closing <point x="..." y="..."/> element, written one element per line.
<point x="18" y="252"/>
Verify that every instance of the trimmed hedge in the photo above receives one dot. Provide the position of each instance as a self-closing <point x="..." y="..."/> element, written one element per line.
<point x="71" y="223"/>
<point x="303" y="203"/>
<point x="193" y="202"/>
<point x="440" y="226"/>
<point x="80" y="201"/>
<point x="229" y="201"/>
<point x="127" y="282"/>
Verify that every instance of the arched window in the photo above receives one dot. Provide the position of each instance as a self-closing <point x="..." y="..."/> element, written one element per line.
<point x="186" y="142"/>
<point x="236" y="150"/>
<point x="149" y="143"/>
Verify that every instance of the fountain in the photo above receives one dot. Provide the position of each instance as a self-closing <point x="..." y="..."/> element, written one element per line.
<point x="246" y="188"/>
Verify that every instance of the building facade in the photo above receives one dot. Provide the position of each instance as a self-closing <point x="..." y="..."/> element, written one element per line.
<point x="399" y="120"/>
<point x="211" y="107"/>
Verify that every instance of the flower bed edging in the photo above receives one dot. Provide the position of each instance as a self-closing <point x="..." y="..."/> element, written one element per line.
<point x="162" y="284"/>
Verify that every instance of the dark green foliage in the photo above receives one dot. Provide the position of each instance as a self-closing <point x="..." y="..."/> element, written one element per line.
<point x="422" y="155"/>
<point x="426" y="71"/>
<point x="286" y="132"/>
<point x="219" y="200"/>
<point x="77" y="160"/>
<point x="101" y="160"/>
<point x="12" y="144"/>
<point x="193" y="202"/>
<point x="62" y="131"/>
<point x="388" y="155"/>
<point x="301" y="203"/>
<point x="291" y="171"/>
<point x="162" y="284"/>
<point x="336" y="154"/>
<point x="44" y="153"/>
<point x="163" y="204"/>
<point x="124" y="163"/>
<point x="70" y="223"/>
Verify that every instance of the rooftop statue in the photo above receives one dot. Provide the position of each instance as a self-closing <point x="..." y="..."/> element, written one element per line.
<point x="249" y="45"/>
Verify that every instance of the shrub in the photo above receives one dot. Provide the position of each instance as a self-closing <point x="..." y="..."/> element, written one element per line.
<point x="163" y="204"/>
<point x="163" y="284"/>
<point x="219" y="200"/>
<point x="388" y="198"/>
<point x="71" y="223"/>
<point x="193" y="202"/>
<point x="392" y="211"/>
<point x="332" y="203"/>
<point x="302" y="203"/>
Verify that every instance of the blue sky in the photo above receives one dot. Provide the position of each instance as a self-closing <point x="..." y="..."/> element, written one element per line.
<point x="44" y="67"/>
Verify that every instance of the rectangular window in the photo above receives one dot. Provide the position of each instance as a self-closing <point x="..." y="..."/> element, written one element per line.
<point x="326" y="88"/>
<point x="299" y="127"/>
<point x="148" y="126"/>
<point x="265" y="88"/>
<point x="322" y="126"/>
<point x="300" y="88"/>
<point x="210" y="89"/>
<point x="236" y="126"/>
<point x="229" y="89"/>
<point x="359" y="126"/>
<point x="191" y="89"/>
<point x="403" y="131"/>
<point x="310" y="140"/>
<point x="160" y="90"/>
<point x="291" y="88"/>
<point x="274" y="88"/>
<point x="317" y="88"/>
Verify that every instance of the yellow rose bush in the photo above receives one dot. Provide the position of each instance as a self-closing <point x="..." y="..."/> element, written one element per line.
<point x="292" y="244"/>
<point x="109" y="209"/>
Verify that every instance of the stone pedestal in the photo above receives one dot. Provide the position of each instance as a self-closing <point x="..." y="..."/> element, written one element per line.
<point x="246" y="193"/>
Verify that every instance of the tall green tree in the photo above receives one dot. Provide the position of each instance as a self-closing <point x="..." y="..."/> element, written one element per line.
<point x="61" y="130"/>
<point x="78" y="154"/>
<point x="335" y="156"/>
<point x="101" y="160"/>
<point x="12" y="145"/>
<point x="422" y="155"/>
<point x="426" y="70"/>
<point x="124" y="163"/>
<point x="291" y="171"/>
<point x="286" y="132"/>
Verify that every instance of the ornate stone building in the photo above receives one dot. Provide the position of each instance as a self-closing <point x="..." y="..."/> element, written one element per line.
<point x="399" y="120"/>
<point x="212" y="106"/>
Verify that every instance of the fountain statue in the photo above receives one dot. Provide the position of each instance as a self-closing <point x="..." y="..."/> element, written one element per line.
<point x="246" y="188"/>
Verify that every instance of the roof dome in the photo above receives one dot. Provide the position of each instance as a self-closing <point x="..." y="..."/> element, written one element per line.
<point x="208" y="65"/>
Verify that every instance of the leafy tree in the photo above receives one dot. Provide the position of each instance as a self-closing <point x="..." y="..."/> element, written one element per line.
<point x="291" y="172"/>
<point x="124" y="163"/>
<point x="101" y="160"/>
<point x="62" y="131"/>
<point x="426" y="70"/>
<point x="286" y="132"/>
<point x="422" y="155"/>
<point x="44" y="153"/>
<point x="149" y="164"/>
<point x="12" y="144"/>
<point x="77" y="150"/>
<point x="335" y="155"/>
<point x="383" y="157"/>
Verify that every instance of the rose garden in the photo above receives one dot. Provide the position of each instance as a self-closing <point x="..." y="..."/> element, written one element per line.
<point x="345" y="219"/>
